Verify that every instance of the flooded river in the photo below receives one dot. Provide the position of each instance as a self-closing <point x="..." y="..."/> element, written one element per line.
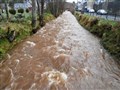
<point x="60" y="56"/>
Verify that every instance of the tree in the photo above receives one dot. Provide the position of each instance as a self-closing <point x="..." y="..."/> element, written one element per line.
<point x="12" y="2"/>
<point x="33" y="13"/>
<point x="42" y="13"/>
<point x="6" y="8"/>
<point x="113" y="7"/>
<point x="39" y="9"/>
<point x="56" y="7"/>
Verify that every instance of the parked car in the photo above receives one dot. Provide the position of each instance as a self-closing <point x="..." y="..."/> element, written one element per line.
<point x="79" y="9"/>
<point x="91" y="10"/>
<point x="101" y="12"/>
<point x="85" y="9"/>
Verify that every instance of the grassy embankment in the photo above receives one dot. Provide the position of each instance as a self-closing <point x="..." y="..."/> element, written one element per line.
<point x="107" y="30"/>
<point x="22" y="28"/>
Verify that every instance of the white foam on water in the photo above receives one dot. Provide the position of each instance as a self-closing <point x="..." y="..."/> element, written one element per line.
<point x="61" y="50"/>
<point x="64" y="76"/>
<point x="8" y="56"/>
<point x="32" y="44"/>
<point x="25" y="54"/>
<point x="61" y="55"/>
<point x="30" y="56"/>
<point x="55" y="57"/>
<point x="11" y="74"/>
<point x="101" y="51"/>
<point x="74" y="69"/>
<point x="32" y="86"/>
<point x="85" y="69"/>
<point x="39" y="66"/>
<point x="17" y="60"/>
<point x="55" y="77"/>
<point x="56" y="41"/>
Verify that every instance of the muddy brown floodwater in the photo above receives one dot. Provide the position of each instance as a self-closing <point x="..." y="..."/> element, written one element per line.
<point x="60" y="56"/>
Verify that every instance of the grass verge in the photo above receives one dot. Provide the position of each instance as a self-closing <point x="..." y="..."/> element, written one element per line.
<point x="107" y="30"/>
<point x="22" y="28"/>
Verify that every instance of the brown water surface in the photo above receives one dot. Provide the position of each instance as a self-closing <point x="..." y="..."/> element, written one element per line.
<point x="61" y="56"/>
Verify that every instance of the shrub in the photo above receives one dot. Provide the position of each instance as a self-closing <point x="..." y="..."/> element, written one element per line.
<point x="95" y="30"/>
<point x="27" y="10"/>
<point x="12" y="11"/>
<point x="117" y="26"/>
<point x="106" y="27"/>
<point x="21" y="10"/>
<point x="79" y="17"/>
<point x="77" y="14"/>
<point x="2" y="33"/>
<point x="109" y="41"/>
<point x="86" y="21"/>
<point x="48" y="17"/>
<point x="93" y="22"/>
<point x="103" y="28"/>
<point x="2" y="52"/>
<point x="82" y="18"/>
<point x="109" y="32"/>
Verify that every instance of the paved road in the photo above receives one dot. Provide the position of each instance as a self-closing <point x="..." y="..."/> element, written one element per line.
<point x="108" y="17"/>
<point x="60" y="56"/>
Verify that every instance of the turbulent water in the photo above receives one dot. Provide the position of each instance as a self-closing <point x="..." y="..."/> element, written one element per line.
<point x="60" y="56"/>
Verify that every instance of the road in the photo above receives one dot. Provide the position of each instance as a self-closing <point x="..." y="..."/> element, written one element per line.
<point x="108" y="17"/>
<point x="60" y="56"/>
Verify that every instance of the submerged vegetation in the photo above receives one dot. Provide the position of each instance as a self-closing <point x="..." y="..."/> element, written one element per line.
<point x="107" y="30"/>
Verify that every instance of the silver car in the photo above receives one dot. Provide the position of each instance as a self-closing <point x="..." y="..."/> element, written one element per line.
<point x="101" y="12"/>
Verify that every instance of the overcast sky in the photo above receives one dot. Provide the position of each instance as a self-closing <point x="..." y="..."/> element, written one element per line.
<point x="72" y="0"/>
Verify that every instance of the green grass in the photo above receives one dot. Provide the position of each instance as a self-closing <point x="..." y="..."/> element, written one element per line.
<point x="48" y="17"/>
<point x="102" y="20"/>
<point x="23" y="28"/>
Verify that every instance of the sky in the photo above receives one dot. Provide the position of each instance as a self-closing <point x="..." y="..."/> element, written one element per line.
<point x="72" y="0"/>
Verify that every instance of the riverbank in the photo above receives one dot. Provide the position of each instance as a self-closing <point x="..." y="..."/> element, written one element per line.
<point x="107" y="30"/>
<point x="60" y="56"/>
<point x="13" y="32"/>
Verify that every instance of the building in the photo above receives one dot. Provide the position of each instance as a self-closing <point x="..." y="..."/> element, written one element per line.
<point x="18" y="4"/>
<point x="69" y="6"/>
<point x="80" y="5"/>
<point x="23" y="5"/>
<point x="90" y="3"/>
